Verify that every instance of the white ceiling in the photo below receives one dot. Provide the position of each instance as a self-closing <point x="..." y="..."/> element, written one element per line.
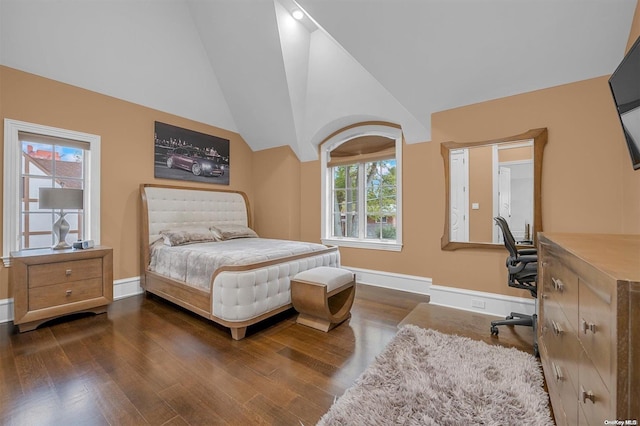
<point x="247" y="66"/>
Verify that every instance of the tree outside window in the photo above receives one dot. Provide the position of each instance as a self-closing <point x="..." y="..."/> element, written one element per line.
<point x="375" y="216"/>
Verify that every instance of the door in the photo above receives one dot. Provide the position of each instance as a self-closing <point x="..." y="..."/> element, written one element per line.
<point x="504" y="199"/>
<point x="459" y="197"/>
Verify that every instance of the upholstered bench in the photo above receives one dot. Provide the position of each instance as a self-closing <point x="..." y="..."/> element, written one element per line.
<point x="323" y="296"/>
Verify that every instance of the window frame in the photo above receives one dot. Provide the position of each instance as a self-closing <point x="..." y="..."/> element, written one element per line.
<point x="12" y="174"/>
<point x="332" y="143"/>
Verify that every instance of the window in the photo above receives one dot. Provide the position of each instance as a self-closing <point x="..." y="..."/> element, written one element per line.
<point x="40" y="156"/>
<point x="361" y="169"/>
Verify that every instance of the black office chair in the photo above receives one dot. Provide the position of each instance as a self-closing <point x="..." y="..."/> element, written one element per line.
<point x="522" y="266"/>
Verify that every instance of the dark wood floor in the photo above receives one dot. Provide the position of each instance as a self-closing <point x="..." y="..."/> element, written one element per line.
<point x="150" y="362"/>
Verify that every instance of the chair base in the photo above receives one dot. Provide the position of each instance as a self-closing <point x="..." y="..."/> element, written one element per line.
<point x="516" y="318"/>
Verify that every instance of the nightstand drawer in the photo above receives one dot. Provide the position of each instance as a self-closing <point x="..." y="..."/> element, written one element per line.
<point x="64" y="272"/>
<point x="63" y="293"/>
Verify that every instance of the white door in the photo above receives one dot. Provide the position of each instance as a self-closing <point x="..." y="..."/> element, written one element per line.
<point x="504" y="199"/>
<point x="459" y="197"/>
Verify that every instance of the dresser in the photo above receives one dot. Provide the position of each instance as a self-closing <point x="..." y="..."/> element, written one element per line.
<point x="589" y="326"/>
<point x="47" y="284"/>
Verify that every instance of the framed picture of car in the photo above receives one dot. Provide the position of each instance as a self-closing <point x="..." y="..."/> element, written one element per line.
<point x="189" y="155"/>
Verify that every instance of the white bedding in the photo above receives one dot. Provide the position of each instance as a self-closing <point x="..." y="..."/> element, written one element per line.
<point x="195" y="264"/>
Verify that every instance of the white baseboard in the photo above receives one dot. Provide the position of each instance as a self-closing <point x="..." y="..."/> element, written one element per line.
<point x="410" y="283"/>
<point x="121" y="288"/>
<point x="126" y="287"/>
<point x="6" y="310"/>
<point x="468" y="300"/>
<point x="480" y="301"/>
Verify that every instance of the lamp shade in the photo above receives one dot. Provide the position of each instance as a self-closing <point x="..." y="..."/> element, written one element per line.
<point x="61" y="198"/>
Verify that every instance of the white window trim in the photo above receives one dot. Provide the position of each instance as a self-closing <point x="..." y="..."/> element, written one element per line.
<point x="12" y="163"/>
<point x="325" y="149"/>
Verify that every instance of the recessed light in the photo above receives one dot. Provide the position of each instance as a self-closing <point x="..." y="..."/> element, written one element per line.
<point x="297" y="14"/>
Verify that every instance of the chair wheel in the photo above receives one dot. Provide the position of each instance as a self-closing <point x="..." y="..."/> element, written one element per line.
<point x="494" y="330"/>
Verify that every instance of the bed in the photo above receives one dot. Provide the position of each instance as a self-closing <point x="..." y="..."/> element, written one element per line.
<point x="198" y="251"/>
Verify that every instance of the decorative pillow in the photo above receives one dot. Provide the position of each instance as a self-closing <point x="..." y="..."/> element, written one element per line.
<point x="230" y="232"/>
<point x="187" y="235"/>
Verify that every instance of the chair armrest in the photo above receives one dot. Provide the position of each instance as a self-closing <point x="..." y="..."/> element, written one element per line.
<point x="528" y="259"/>
<point x="527" y="251"/>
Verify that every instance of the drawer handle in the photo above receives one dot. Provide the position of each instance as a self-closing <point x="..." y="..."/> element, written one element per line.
<point x="587" y="395"/>
<point x="588" y="326"/>
<point x="67" y="272"/>
<point x="557" y="330"/>
<point x="68" y="292"/>
<point x="557" y="372"/>
<point x="558" y="285"/>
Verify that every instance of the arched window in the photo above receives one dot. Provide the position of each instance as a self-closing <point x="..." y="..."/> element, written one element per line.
<point x="362" y="187"/>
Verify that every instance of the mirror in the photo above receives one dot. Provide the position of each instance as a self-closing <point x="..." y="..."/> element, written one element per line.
<point x="485" y="179"/>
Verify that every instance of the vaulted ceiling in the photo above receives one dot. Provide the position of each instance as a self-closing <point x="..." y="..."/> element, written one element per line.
<point x="249" y="67"/>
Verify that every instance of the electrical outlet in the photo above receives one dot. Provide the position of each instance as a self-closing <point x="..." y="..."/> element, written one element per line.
<point x="477" y="304"/>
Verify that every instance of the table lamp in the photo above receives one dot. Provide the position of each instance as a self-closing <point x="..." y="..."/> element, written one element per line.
<point x="61" y="198"/>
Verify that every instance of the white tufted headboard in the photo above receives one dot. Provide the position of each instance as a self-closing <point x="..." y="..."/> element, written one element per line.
<point x="166" y="207"/>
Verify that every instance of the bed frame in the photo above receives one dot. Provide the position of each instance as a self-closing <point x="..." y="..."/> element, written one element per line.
<point x="165" y="206"/>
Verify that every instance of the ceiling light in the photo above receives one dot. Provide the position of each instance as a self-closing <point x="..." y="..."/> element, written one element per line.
<point x="297" y="14"/>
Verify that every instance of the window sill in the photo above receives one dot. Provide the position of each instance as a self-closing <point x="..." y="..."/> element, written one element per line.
<point x="370" y="245"/>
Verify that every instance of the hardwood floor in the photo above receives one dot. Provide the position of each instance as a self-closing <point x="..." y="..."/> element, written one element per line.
<point x="149" y="362"/>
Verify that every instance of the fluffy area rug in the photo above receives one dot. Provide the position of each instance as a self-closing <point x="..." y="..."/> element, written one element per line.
<point x="424" y="377"/>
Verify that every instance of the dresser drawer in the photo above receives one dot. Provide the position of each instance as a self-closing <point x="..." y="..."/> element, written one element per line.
<point x="595" y="329"/>
<point x="561" y="287"/>
<point x="55" y="273"/>
<point x="563" y="346"/>
<point x="63" y="293"/>
<point x="594" y="398"/>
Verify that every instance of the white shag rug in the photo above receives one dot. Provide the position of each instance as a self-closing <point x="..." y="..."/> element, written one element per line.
<point x="424" y="377"/>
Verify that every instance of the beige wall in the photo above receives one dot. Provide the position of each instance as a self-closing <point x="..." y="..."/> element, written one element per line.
<point x="588" y="183"/>
<point x="127" y="155"/>
<point x="276" y="179"/>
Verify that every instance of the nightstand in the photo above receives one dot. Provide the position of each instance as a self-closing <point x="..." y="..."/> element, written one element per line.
<point x="47" y="284"/>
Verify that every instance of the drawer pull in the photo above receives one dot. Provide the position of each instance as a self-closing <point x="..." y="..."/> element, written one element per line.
<point x="587" y="395"/>
<point x="588" y="326"/>
<point x="67" y="272"/>
<point x="557" y="372"/>
<point x="68" y="292"/>
<point x="558" y="285"/>
<point x="557" y="330"/>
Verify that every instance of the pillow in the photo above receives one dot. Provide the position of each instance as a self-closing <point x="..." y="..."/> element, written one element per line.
<point x="230" y="232"/>
<point x="187" y="235"/>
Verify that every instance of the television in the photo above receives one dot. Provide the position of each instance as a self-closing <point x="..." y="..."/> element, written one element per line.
<point x="625" y="87"/>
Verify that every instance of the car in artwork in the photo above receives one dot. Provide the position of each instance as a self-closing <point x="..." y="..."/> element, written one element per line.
<point x="195" y="161"/>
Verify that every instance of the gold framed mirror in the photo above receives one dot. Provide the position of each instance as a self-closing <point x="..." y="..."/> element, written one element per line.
<point x="500" y="177"/>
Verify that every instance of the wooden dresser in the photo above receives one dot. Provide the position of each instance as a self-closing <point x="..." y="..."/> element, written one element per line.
<point x="589" y="326"/>
<point x="47" y="284"/>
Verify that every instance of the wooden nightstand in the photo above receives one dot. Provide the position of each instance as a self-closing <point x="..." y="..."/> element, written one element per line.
<point x="47" y="284"/>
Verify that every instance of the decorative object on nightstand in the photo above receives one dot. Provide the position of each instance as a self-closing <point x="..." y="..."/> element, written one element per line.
<point x="48" y="284"/>
<point x="61" y="199"/>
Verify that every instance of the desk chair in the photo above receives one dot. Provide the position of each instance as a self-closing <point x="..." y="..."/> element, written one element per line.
<point x="522" y="266"/>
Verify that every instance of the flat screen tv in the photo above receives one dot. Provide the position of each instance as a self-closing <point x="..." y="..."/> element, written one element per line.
<point x="625" y="87"/>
